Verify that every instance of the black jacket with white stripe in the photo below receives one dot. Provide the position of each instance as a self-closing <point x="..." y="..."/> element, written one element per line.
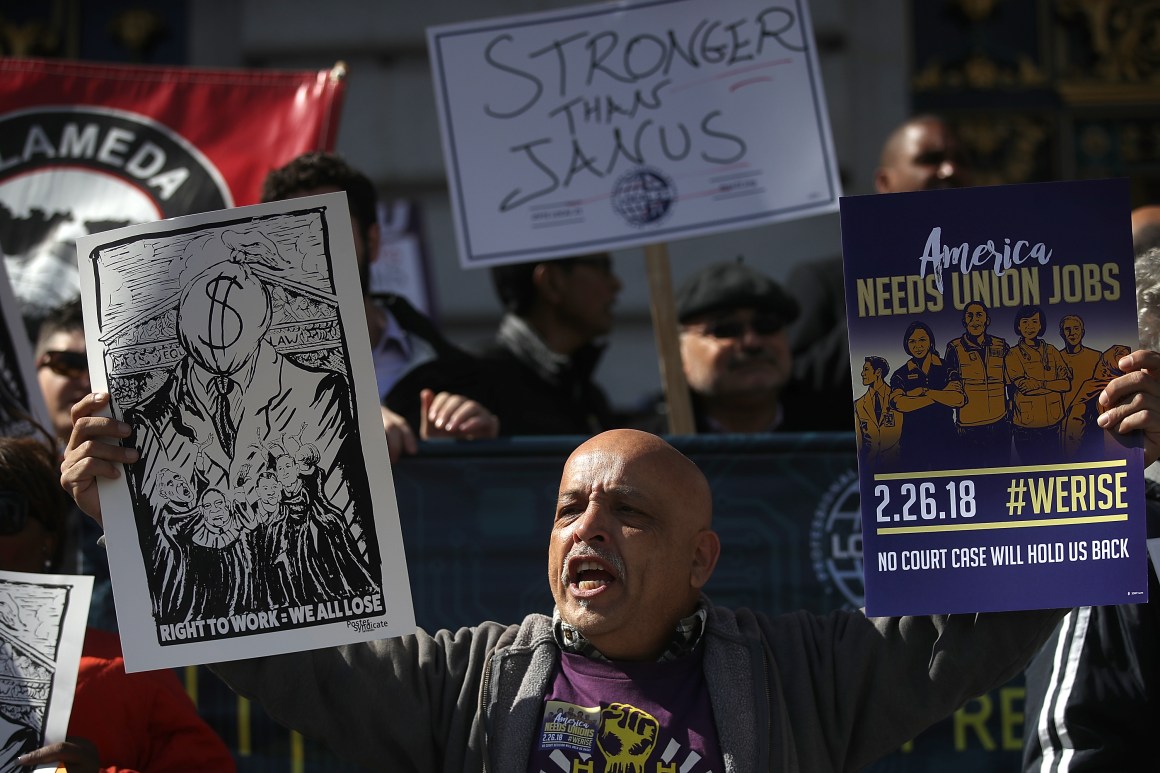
<point x="1093" y="690"/>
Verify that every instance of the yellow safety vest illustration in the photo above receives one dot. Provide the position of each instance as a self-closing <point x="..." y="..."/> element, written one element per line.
<point x="984" y="382"/>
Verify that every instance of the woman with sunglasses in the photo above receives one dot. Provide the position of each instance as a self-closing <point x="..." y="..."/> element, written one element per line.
<point x="119" y="722"/>
<point x="921" y="390"/>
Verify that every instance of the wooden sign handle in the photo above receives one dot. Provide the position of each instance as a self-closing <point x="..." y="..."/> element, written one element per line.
<point x="664" y="318"/>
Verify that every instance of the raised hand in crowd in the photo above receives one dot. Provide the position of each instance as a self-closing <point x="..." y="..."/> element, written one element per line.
<point x="445" y="415"/>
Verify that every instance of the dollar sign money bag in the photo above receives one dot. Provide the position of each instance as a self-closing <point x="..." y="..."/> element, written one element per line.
<point x="222" y="316"/>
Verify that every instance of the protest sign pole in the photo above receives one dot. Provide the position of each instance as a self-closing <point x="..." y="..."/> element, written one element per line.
<point x="664" y="317"/>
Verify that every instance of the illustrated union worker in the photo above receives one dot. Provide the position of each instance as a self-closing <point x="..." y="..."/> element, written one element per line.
<point x="977" y="361"/>
<point x="879" y="425"/>
<point x="923" y="392"/>
<point x="1081" y="360"/>
<point x="1081" y="433"/>
<point x="677" y="679"/>
<point x="1041" y="378"/>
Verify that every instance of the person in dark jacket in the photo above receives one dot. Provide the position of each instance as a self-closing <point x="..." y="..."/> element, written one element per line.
<point x="548" y="345"/>
<point x="1093" y="691"/>
<point x="420" y="373"/>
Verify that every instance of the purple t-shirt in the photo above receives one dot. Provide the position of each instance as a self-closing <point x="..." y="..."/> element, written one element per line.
<point x="604" y="717"/>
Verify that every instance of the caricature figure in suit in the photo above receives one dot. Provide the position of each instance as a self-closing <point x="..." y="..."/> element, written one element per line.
<point x="233" y="385"/>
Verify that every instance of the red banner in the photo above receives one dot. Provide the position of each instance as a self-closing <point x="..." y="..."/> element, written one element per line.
<point x="87" y="147"/>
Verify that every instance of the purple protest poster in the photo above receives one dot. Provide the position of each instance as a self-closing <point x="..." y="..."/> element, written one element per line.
<point x="984" y="324"/>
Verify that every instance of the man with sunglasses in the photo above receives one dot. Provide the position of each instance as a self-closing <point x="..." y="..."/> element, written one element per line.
<point x="735" y="351"/>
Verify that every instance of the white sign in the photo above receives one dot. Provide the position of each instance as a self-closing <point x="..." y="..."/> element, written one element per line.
<point x="42" y="628"/>
<point x="614" y="125"/>
<point x="261" y="516"/>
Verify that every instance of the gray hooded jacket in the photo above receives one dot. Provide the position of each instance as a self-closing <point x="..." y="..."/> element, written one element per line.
<point x="796" y="692"/>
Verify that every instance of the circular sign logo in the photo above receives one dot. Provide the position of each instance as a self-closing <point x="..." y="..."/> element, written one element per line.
<point x="643" y="196"/>
<point x="71" y="171"/>
<point x="836" y="540"/>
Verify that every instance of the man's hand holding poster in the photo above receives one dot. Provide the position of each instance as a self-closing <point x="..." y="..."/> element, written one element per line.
<point x="260" y="516"/>
<point x="984" y="325"/>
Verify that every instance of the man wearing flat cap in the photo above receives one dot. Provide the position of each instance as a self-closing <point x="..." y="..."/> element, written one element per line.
<point x="735" y="350"/>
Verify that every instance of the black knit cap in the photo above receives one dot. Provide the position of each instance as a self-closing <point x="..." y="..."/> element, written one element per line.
<point x="725" y="286"/>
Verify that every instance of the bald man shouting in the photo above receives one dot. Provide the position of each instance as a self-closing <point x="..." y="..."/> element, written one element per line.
<point x="636" y="670"/>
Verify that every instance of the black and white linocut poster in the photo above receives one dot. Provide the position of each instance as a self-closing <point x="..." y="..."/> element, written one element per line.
<point x="261" y="517"/>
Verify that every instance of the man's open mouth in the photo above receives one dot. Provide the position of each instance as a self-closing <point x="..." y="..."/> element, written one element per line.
<point x="587" y="575"/>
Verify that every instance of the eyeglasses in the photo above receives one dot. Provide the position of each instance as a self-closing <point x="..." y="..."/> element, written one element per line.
<point x="68" y="364"/>
<point x="13" y="513"/>
<point x="760" y="324"/>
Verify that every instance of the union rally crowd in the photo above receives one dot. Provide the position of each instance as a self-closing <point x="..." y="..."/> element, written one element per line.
<point x="634" y="668"/>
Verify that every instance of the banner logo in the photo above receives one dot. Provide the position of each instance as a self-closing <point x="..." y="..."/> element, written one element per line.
<point x="67" y="172"/>
<point x="836" y="540"/>
<point x="643" y="196"/>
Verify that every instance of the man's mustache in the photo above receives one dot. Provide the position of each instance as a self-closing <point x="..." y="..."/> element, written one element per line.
<point x="591" y="551"/>
<point x="743" y="360"/>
